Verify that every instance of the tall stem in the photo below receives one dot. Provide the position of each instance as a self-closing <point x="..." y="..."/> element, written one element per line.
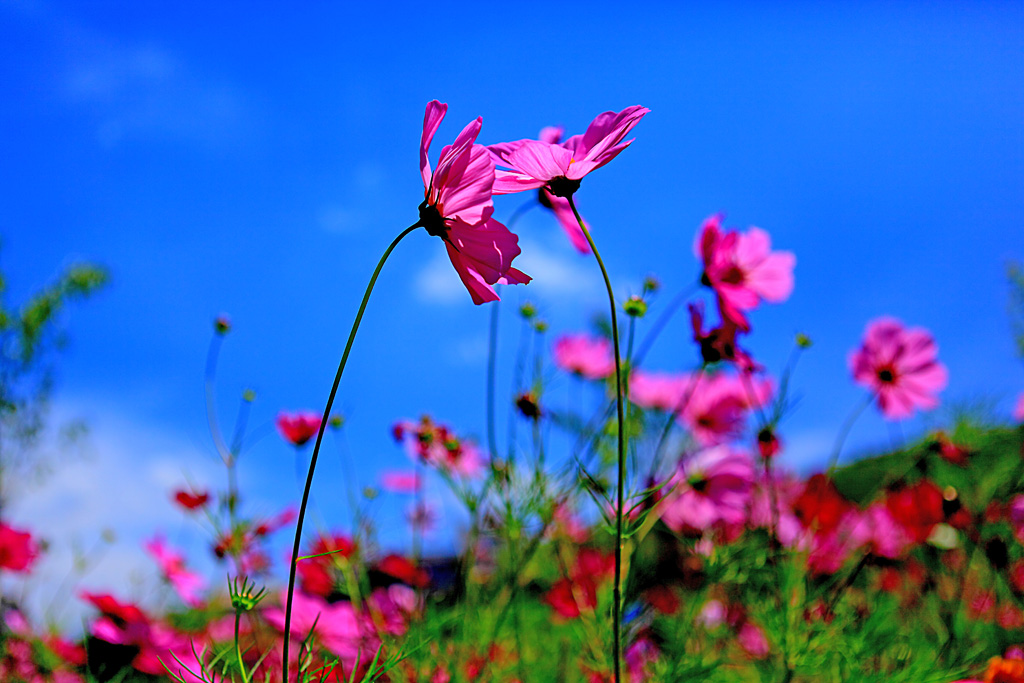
<point x="617" y="591"/>
<point x="319" y="439"/>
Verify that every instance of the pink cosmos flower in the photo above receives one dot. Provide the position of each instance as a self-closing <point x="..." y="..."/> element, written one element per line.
<point x="718" y="408"/>
<point x="663" y="391"/>
<point x="900" y="365"/>
<point x="298" y="428"/>
<point x="710" y="487"/>
<point x="400" y="482"/>
<point x="172" y="565"/>
<point x="1018" y="412"/>
<point x="437" y="445"/>
<point x="719" y="344"/>
<point x="337" y="627"/>
<point x="17" y="549"/>
<point x="458" y="209"/>
<point x="560" y="167"/>
<point x="559" y="205"/>
<point x="742" y="269"/>
<point x="753" y="641"/>
<point x="589" y="357"/>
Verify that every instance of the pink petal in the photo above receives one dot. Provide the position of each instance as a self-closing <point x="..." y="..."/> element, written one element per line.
<point x="431" y="122"/>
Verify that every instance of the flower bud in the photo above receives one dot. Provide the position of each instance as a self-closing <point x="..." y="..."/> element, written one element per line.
<point x="541" y="326"/>
<point x="337" y="421"/>
<point x="528" y="310"/>
<point x="248" y="395"/>
<point x="803" y="341"/>
<point x="651" y="284"/>
<point x="222" y="324"/>
<point x="635" y="307"/>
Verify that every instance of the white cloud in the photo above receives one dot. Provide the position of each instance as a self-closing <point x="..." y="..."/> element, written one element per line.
<point x="119" y="484"/>
<point x="559" y="275"/>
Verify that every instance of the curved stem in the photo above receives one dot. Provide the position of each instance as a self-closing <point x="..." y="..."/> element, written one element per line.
<point x="845" y="432"/>
<point x="319" y="439"/>
<point x="617" y="591"/>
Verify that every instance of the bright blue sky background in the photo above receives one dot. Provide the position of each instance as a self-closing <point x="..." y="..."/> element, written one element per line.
<point x="257" y="161"/>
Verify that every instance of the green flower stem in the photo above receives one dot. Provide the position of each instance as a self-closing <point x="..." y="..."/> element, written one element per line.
<point x="319" y="439"/>
<point x="617" y="590"/>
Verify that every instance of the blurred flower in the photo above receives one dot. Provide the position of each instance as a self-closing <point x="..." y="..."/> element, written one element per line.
<point x="559" y="167"/>
<point x="717" y="409"/>
<point x="742" y="269"/>
<point x="172" y="565"/>
<point x="900" y="365"/>
<point x="753" y="641"/>
<point x="950" y="452"/>
<point x="404" y="570"/>
<point x="708" y="488"/>
<point x="320" y="575"/>
<point x="298" y="428"/>
<point x="190" y="500"/>
<point x="768" y="443"/>
<point x="820" y="506"/>
<point x="663" y="391"/>
<point x="400" y="481"/>
<point x="1018" y="412"/>
<point x="572" y="594"/>
<point x="583" y="355"/>
<point x="458" y="209"/>
<point x="916" y="508"/>
<point x="421" y="517"/>
<point x="18" y="549"/>
<point x="720" y="343"/>
<point x="559" y="205"/>
<point x="437" y="445"/>
<point x="528" y="406"/>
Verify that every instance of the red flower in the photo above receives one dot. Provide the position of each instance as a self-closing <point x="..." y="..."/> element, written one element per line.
<point x="17" y="549"/>
<point x="317" y="575"/>
<point x="190" y="500"/>
<point x="663" y="599"/>
<point x="298" y="428"/>
<point x="950" y="452"/>
<point x="917" y="508"/>
<point x="720" y="343"/>
<point x="821" y="505"/>
<point x="404" y="570"/>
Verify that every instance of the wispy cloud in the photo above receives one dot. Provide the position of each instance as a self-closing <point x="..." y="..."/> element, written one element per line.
<point x="116" y="485"/>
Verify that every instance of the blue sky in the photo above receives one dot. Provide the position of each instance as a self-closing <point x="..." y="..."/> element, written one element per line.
<point x="256" y="162"/>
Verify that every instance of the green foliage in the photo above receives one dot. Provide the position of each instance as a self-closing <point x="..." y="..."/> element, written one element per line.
<point x="32" y="332"/>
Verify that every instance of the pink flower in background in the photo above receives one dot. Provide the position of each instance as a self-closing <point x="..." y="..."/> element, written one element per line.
<point x="664" y="391"/>
<point x="710" y="487"/>
<point x="17" y="549"/>
<point x="400" y="482"/>
<point x="718" y="409"/>
<point x="437" y="445"/>
<point x="900" y="365"/>
<point x="559" y="167"/>
<point x="753" y="641"/>
<point x="719" y="344"/>
<point x="422" y="517"/>
<point x="458" y="209"/>
<point x="1018" y="412"/>
<point x="298" y="428"/>
<point x="172" y="565"/>
<point x="742" y="269"/>
<point x="587" y="356"/>
<point x="336" y="626"/>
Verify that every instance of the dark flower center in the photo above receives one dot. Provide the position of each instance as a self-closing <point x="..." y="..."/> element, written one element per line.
<point x="699" y="484"/>
<point x="544" y="199"/>
<point x="886" y="375"/>
<point x="431" y="219"/>
<point x="562" y="186"/>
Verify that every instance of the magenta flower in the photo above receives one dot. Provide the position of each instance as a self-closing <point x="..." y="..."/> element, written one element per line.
<point x="458" y="209"/>
<point x="718" y="408"/>
<point x="172" y="565"/>
<point x="742" y="269"/>
<point x="663" y="391"/>
<point x="337" y="627"/>
<point x="18" y="550"/>
<point x="559" y="205"/>
<point x="900" y="365"/>
<point x="709" y="488"/>
<point x="400" y="481"/>
<point x="589" y="357"/>
<point x="1018" y="412"/>
<point x="559" y="167"/>
<point x="297" y="428"/>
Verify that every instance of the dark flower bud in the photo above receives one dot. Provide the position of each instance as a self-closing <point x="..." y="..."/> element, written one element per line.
<point x="635" y="307"/>
<point x="222" y="324"/>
